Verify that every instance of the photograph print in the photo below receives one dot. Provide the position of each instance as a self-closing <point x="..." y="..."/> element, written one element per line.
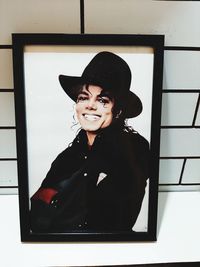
<point x="88" y="165"/>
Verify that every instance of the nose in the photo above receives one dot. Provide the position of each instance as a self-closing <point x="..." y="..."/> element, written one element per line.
<point x="92" y="105"/>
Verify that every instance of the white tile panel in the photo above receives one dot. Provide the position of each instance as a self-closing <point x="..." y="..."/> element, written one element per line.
<point x="35" y="16"/>
<point x="170" y="171"/>
<point x="7" y="144"/>
<point x="7" y="111"/>
<point x="178" y="108"/>
<point x="8" y="173"/>
<point x="180" y="142"/>
<point x="178" y="20"/>
<point x="8" y="191"/>
<point x="181" y="70"/>
<point x="192" y="171"/>
<point x="6" y="69"/>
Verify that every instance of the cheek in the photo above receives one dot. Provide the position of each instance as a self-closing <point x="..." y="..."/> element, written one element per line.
<point x="108" y="116"/>
<point x="78" y="109"/>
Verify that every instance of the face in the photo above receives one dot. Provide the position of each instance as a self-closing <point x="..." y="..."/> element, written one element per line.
<point x="94" y="109"/>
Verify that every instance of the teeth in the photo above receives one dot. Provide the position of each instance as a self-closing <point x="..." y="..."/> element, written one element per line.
<point x="91" y="117"/>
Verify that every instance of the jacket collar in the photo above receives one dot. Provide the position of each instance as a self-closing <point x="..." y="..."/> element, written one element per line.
<point x="105" y="135"/>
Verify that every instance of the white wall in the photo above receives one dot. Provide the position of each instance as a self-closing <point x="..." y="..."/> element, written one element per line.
<point x="178" y="20"/>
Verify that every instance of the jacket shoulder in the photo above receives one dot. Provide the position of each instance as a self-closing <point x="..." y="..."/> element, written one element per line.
<point x="135" y="139"/>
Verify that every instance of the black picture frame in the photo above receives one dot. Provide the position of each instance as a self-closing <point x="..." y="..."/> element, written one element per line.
<point x="29" y="54"/>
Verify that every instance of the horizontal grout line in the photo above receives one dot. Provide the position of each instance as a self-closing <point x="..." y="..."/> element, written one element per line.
<point x="7" y="127"/>
<point x="182" y="48"/>
<point x="193" y="184"/>
<point x="1" y="187"/>
<point x="6" y="46"/>
<point x="190" y="184"/>
<point x="8" y="159"/>
<point x="168" y="184"/>
<point x="181" y="157"/>
<point x="181" y="91"/>
<point x="6" y="90"/>
<point x="180" y="127"/>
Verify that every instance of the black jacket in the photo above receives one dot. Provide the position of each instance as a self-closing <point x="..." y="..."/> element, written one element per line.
<point x="98" y="188"/>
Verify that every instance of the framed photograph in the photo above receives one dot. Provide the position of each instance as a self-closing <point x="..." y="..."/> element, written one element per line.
<point x="88" y="111"/>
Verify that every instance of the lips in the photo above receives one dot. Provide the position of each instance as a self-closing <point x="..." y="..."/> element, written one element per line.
<point x="91" y="117"/>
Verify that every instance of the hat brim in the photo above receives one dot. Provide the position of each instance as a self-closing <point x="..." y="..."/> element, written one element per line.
<point x="70" y="84"/>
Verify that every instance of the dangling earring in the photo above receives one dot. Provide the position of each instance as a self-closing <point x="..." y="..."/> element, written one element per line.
<point x="118" y="114"/>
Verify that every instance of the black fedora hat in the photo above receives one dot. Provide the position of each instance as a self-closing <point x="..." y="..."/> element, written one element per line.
<point x="110" y="72"/>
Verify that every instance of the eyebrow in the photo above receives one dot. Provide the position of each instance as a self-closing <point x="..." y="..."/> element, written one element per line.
<point x="102" y="94"/>
<point x="106" y="94"/>
<point x="83" y="93"/>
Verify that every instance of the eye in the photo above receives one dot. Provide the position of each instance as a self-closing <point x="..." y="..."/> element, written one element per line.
<point x="104" y="100"/>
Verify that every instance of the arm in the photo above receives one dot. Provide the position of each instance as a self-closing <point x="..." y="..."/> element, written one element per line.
<point x="62" y="189"/>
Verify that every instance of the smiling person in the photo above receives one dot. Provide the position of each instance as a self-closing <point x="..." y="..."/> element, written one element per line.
<point x="94" y="110"/>
<point x="98" y="182"/>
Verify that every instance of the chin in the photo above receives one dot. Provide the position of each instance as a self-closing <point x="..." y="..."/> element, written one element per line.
<point x="90" y="128"/>
<point x="93" y="126"/>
